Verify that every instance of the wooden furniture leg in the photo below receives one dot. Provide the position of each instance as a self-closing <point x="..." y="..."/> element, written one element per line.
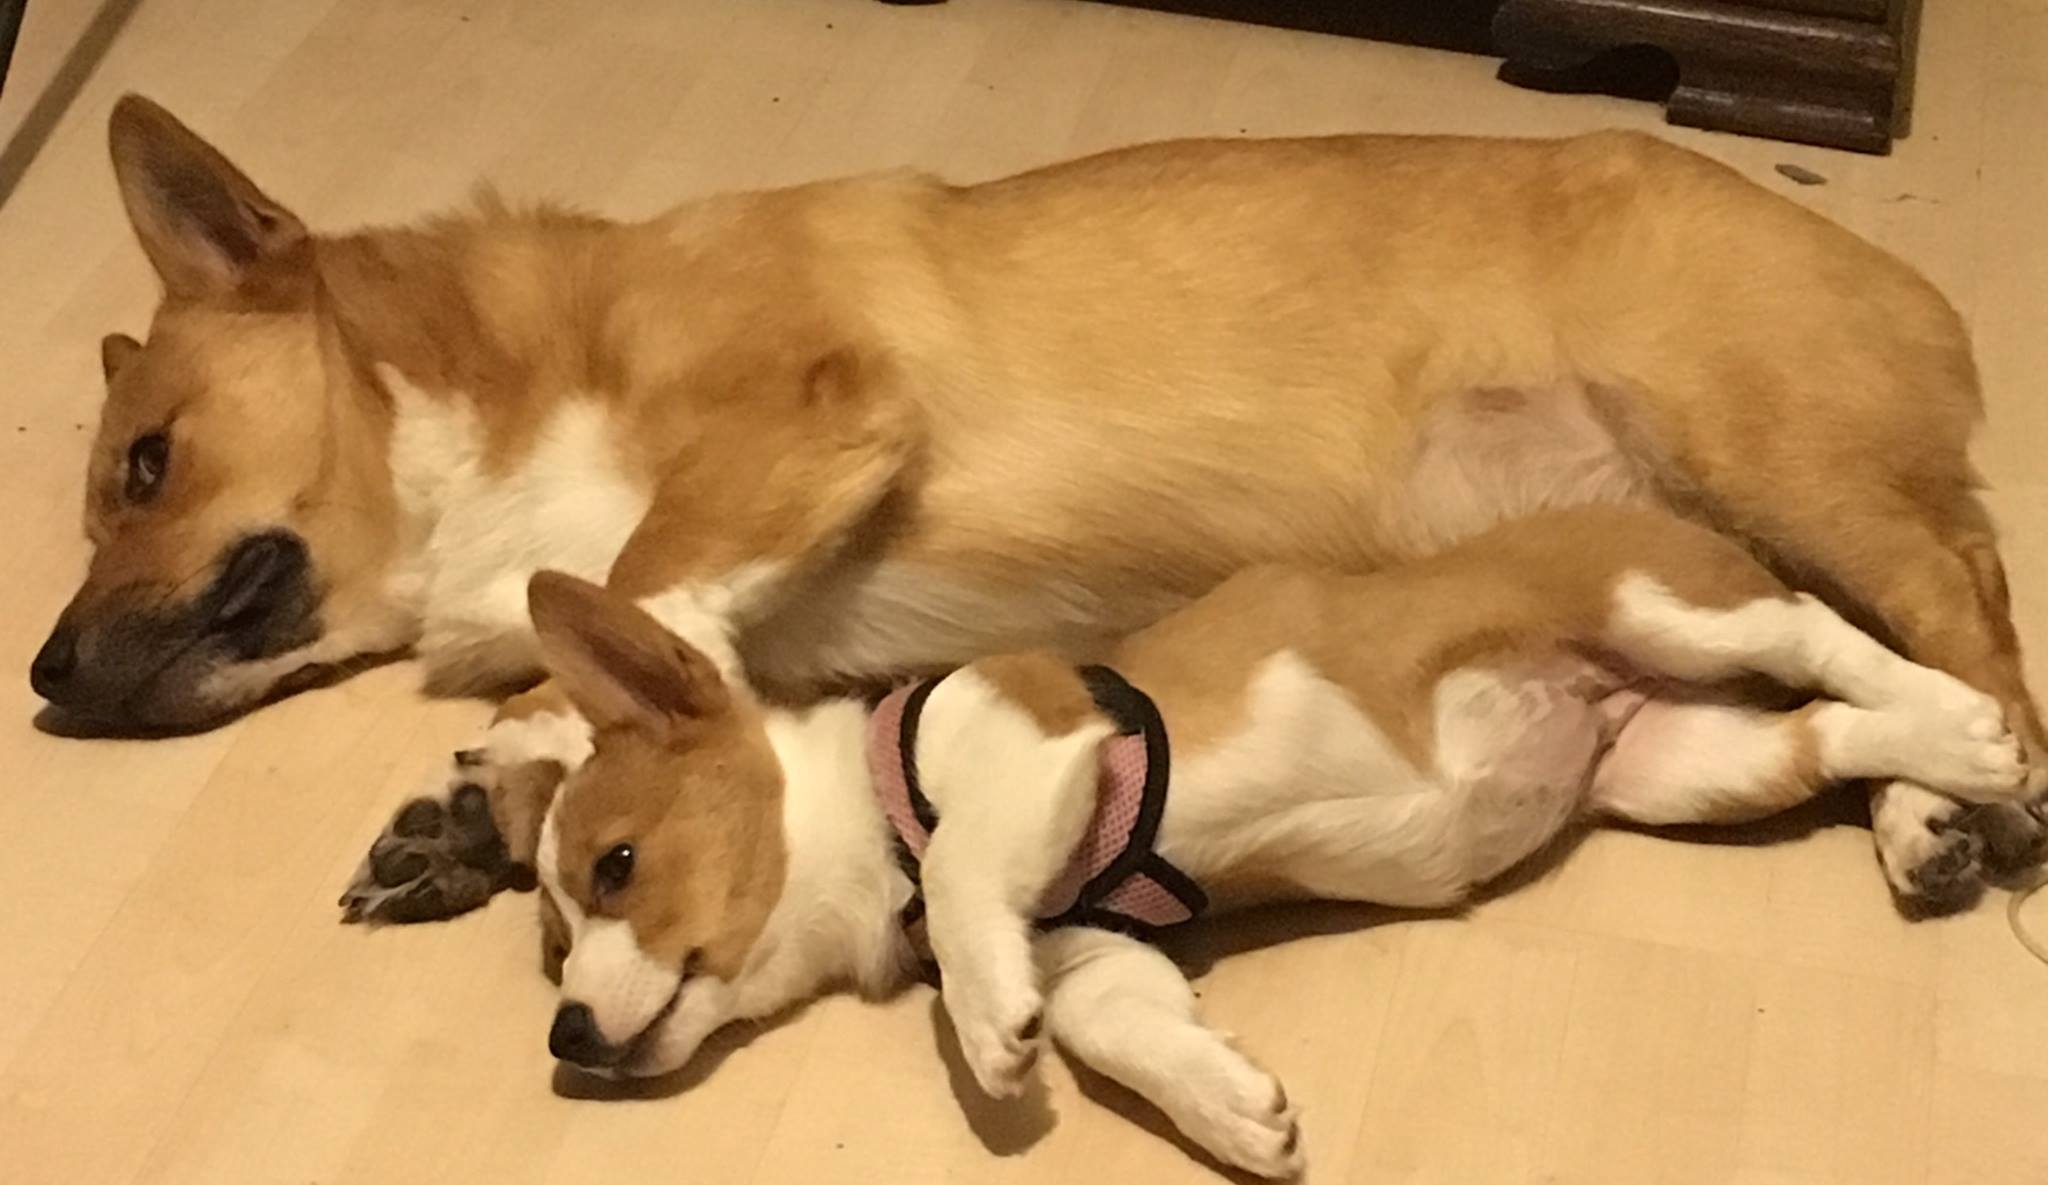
<point x="11" y="12"/>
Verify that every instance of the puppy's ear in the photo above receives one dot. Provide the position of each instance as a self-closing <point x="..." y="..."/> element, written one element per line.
<point x="207" y="228"/>
<point x="117" y="350"/>
<point x="619" y="666"/>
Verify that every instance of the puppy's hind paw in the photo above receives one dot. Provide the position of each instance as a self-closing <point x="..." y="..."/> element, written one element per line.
<point x="1966" y="748"/>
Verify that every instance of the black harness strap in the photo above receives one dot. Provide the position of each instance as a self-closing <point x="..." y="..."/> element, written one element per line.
<point x="1134" y="714"/>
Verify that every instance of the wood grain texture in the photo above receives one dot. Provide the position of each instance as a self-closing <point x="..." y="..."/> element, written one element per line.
<point x="178" y="1004"/>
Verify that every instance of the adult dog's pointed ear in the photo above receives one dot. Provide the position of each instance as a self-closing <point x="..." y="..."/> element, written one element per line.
<point x="117" y="350"/>
<point x="619" y="666"/>
<point x="207" y="228"/>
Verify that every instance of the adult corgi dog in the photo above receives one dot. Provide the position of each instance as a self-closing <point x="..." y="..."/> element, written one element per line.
<point x="1400" y="737"/>
<point x="885" y="425"/>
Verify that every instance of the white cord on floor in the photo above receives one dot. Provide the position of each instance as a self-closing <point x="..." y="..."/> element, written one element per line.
<point x="2019" y="897"/>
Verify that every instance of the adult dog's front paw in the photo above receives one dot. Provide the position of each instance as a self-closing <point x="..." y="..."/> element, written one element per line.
<point x="2014" y="837"/>
<point x="439" y="857"/>
<point x="1933" y="862"/>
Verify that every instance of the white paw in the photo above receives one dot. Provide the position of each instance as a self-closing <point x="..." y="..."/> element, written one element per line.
<point x="1240" y="1114"/>
<point x="1001" y="1031"/>
<point x="1951" y="696"/>
<point x="1960" y="744"/>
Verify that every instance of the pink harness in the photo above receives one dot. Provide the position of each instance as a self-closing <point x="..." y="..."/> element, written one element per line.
<point x="1115" y="879"/>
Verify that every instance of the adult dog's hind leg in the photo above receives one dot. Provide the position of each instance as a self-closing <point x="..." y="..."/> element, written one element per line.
<point x="1923" y="570"/>
<point x="2015" y="839"/>
<point x="447" y="853"/>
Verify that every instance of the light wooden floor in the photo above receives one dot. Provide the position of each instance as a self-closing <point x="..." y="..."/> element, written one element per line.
<point x="178" y="1003"/>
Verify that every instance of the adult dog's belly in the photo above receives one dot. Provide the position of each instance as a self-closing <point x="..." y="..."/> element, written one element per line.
<point x="939" y="597"/>
<point x="881" y="620"/>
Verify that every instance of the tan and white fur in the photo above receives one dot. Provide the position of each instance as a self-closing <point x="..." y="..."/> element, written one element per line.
<point x="1400" y="738"/>
<point x="880" y="425"/>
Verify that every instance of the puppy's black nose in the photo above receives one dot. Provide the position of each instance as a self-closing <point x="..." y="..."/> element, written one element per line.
<point x="50" y="673"/>
<point x="574" y="1037"/>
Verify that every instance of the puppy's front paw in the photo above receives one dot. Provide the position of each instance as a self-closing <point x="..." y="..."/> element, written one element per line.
<point x="437" y="858"/>
<point x="1242" y="1117"/>
<point x="1000" y="1024"/>
<point x="1001" y="1034"/>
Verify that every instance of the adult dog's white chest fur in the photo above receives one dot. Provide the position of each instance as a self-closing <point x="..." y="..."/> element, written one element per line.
<point x="473" y="536"/>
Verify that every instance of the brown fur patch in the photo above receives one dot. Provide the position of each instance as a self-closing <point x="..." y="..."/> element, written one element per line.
<point x="1046" y="687"/>
<point x="520" y="795"/>
<point x="1803" y="774"/>
<point x="702" y="809"/>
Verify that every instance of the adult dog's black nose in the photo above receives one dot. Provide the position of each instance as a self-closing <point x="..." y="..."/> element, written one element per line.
<point x="50" y="674"/>
<point x="574" y="1037"/>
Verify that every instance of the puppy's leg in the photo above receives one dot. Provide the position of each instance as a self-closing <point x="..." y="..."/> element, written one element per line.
<point x="1127" y="1012"/>
<point x="1925" y="569"/>
<point x="446" y="854"/>
<point x="1007" y="752"/>
<point x="1703" y="762"/>
<point x="1914" y="721"/>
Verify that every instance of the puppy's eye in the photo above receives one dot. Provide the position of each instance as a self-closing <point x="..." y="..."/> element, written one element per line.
<point x="148" y="458"/>
<point x="613" y="871"/>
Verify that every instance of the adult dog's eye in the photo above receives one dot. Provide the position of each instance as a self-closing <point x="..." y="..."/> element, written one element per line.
<point x="613" y="871"/>
<point x="148" y="458"/>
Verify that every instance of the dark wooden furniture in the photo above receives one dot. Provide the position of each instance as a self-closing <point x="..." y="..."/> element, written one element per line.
<point x="11" y="12"/>
<point x="1464" y="25"/>
<point x="1829" y="72"/>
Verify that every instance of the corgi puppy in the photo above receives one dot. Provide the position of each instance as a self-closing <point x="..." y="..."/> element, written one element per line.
<point x="1400" y="738"/>
<point x="883" y="426"/>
